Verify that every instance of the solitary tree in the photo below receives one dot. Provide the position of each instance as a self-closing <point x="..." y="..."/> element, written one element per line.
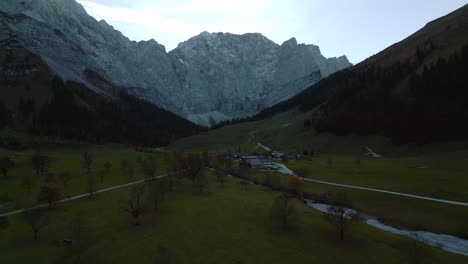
<point x="149" y="167"/>
<point x="283" y="214"/>
<point x="341" y="217"/>
<point x="206" y="159"/>
<point x="124" y="165"/>
<point x="417" y="252"/>
<point x="4" y="223"/>
<point x="268" y="178"/>
<point x="171" y="170"/>
<point x="228" y="165"/>
<point x="329" y="162"/>
<point x="6" y="164"/>
<point x="156" y="191"/>
<point x="201" y="181"/>
<point x="87" y="160"/>
<point x="296" y="186"/>
<point x="244" y="170"/>
<point x="220" y="176"/>
<point x="80" y="241"/>
<point x="130" y="171"/>
<point x="134" y="205"/>
<point x="41" y="163"/>
<point x="165" y="256"/>
<point x="50" y="193"/>
<point x="127" y="169"/>
<point x="91" y="177"/>
<point x="194" y="166"/>
<point x="101" y="175"/>
<point x="37" y="219"/>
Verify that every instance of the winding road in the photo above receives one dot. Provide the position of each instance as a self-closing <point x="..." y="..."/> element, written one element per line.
<point x="82" y="195"/>
<point x="389" y="192"/>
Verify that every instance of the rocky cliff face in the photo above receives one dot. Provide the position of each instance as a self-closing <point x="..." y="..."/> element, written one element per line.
<point x="209" y="78"/>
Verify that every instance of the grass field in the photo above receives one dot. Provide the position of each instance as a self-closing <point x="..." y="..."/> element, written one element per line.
<point x="224" y="225"/>
<point x="443" y="173"/>
<point x="68" y="158"/>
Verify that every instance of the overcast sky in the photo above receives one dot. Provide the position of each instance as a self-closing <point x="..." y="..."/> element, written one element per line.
<point x="356" y="28"/>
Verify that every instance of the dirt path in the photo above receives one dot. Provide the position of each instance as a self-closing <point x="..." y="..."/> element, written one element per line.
<point x="81" y="196"/>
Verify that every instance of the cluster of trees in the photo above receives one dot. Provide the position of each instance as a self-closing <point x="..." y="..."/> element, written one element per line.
<point x="74" y="111"/>
<point x="430" y="109"/>
<point x="191" y="167"/>
<point x="405" y="101"/>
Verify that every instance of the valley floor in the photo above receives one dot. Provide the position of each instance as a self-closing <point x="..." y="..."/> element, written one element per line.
<point x="437" y="170"/>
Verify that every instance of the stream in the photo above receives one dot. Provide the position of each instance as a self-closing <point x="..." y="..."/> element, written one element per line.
<point x="445" y="242"/>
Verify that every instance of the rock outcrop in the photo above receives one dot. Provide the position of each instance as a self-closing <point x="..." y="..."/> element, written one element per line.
<point x="209" y="78"/>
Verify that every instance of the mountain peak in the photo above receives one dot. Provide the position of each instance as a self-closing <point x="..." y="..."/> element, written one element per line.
<point x="216" y="76"/>
<point x="292" y="42"/>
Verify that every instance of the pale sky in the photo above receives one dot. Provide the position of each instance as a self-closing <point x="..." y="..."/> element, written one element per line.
<point x="355" y="28"/>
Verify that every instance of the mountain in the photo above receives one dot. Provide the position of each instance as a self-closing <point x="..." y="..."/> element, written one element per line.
<point x="209" y="78"/>
<point x="412" y="92"/>
<point x="33" y="99"/>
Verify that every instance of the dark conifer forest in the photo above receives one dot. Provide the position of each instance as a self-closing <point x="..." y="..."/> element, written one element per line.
<point x="77" y="112"/>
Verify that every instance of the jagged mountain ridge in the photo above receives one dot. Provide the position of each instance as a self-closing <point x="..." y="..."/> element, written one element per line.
<point x="209" y="78"/>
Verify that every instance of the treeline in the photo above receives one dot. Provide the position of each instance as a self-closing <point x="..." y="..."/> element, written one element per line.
<point x="73" y="111"/>
<point x="400" y="103"/>
<point x="5" y="115"/>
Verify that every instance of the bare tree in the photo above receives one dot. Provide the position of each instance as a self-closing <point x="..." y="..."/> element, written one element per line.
<point x="37" y="219"/>
<point x="156" y="191"/>
<point x="127" y="169"/>
<point x="244" y="170"/>
<point x="6" y="164"/>
<point x="165" y="256"/>
<point x="340" y="216"/>
<point x="130" y="171"/>
<point x="134" y="205"/>
<point x="417" y="252"/>
<point x="193" y="167"/>
<point x="41" y="163"/>
<point x="283" y="214"/>
<point x="149" y="166"/>
<point x="330" y="162"/>
<point x="87" y="161"/>
<point x="91" y="177"/>
<point x="268" y="178"/>
<point x="172" y="170"/>
<point x="201" y="181"/>
<point x="123" y="164"/>
<point x="4" y="223"/>
<point x="220" y="176"/>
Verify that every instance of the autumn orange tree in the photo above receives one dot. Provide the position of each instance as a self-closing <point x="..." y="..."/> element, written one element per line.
<point x="296" y="186"/>
<point x="50" y="193"/>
